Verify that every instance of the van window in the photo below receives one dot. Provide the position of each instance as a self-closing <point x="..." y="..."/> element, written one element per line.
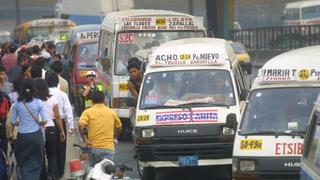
<point x="239" y="78"/>
<point x="311" y="12"/>
<point x="313" y="151"/>
<point x="292" y="14"/>
<point x="194" y="88"/>
<point x="278" y="110"/>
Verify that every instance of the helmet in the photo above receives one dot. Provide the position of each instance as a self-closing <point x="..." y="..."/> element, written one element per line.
<point x="91" y="73"/>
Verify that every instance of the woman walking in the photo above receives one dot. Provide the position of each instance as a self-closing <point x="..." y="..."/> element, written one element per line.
<point x="29" y="146"/>
<point x="51" y="108"/>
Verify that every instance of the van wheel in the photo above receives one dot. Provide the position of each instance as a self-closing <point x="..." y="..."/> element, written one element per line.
<point x="148" y="173"/>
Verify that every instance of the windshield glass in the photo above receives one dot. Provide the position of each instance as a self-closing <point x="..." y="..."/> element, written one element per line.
<point x="129" y="43"/>
<point x="278" y="110"/>
<point x="292" y="14"/>
<point x="87" y="55"/>
<point x="60" y="47"/>
<point x="193" y="88"/>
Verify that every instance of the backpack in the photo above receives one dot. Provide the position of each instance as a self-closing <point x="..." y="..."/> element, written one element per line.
<point x="4" y="106"/>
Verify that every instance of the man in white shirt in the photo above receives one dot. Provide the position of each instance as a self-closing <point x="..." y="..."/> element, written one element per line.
<point x="66" y="114"/>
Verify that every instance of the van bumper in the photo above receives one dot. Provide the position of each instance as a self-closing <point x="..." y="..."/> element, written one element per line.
<point x="268" y="168"/>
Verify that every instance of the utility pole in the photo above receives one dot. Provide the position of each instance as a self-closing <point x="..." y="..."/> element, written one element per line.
<point x="18" y="12"/>
<point x="191" y="7"/>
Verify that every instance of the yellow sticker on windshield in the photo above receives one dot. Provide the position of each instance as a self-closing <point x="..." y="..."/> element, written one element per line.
<point x="123" y="87"/>
<point x="143" y="118"/>
<point x="251" y="144"/>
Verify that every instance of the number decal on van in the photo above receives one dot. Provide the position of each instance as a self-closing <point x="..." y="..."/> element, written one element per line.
<point x="123" y="87"/>
<point x="251" y="144"/>
<point x="143" y="118"/>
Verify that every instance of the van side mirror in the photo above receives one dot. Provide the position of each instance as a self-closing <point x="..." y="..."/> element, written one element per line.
<point x="231" y="121"/>
<point x="132" y="102"/>
<point x="105" y="62"/>
<point x="244" y="94"/>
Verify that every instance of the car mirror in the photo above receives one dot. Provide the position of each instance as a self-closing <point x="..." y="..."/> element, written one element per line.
<point x="231" y="121"/>
<point x="243" y="94"/>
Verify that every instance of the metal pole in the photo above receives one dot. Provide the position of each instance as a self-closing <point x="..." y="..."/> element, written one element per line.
<point x="191" y="7"/>
<point x="18" y="12"/>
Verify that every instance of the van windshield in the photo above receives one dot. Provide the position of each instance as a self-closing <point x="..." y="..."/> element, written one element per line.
<point x="278" y="110"/>
<point x="87" y="55"/>
<point x="130" y="42"/>
<point x="192" y="88"/>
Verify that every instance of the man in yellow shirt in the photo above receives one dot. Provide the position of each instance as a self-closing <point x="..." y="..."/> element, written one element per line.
<point x="103" y="126"/>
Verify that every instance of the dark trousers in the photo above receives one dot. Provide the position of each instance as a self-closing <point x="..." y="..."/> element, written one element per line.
<point x="3" y="137"/>
<point x="51" y="151"/>
<point x="29" y="151"/>
<point x="61" y="152"/>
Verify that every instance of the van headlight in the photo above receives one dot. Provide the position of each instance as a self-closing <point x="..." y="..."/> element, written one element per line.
<point x="234" y="165"/>
<point x="148" y="133"/>
<point x="247" y="165"/>
<point x="227" y="131"/>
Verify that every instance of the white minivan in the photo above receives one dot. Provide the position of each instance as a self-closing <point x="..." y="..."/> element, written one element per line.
<point x="189" y="105"/>
<point x="310" y="162"/>
<point x="269" y="139"/>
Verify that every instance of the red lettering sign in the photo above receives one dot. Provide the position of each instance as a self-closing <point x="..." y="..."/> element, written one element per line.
<point x="126" y="38"/>
<point x="288" y="149"/>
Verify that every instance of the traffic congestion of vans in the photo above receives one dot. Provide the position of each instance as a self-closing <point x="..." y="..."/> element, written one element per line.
<point x="195" y="108"/>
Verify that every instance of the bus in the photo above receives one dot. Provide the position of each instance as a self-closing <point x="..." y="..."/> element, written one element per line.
<point x="302" y="13"/>
<point x="42" y="29"/>
<point x="123" y="33"/>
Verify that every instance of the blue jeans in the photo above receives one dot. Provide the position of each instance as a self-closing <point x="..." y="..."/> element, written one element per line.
<point x="98" y="154"/>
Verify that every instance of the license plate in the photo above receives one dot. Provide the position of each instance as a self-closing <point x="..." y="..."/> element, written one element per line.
<point x="186" y="161"/>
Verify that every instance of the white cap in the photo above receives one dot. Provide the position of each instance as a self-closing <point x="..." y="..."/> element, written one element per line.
<point x="91" y="73"/>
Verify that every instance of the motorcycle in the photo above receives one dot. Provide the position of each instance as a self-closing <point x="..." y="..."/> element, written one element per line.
<point x="103" y="170"/>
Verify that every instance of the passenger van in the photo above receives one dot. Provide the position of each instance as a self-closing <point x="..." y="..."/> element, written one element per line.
<point x="188" y="106"/>
<point x="269" y="139"/>
<point x="82" y="56"/>
<point x="123" y="33"/>
<point x="310" y="164"/>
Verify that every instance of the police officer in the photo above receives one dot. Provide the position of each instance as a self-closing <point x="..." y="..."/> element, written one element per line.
<point x="89" y="88"/>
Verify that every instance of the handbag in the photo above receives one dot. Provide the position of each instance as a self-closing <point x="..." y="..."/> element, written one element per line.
<point x="37" y="121"/>
<point x="11" y="130"/>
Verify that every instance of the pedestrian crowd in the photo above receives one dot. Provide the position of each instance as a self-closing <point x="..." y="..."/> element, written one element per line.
<point x="35" y="111"/>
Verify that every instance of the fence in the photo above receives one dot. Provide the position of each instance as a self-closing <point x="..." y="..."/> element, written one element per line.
<point x="278" y="38"/>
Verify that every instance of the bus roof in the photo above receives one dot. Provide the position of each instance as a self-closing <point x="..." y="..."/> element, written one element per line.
<point x="193" y="52"/>
<point x="120" y="17"/>
<point x="299" y="66"/>
<point x="302" y="4"/>
<point x="49" y="22"/>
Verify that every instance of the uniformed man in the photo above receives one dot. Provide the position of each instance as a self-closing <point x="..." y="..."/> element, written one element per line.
<point x="89" y="88"/>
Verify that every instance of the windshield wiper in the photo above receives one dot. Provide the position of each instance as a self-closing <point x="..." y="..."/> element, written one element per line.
<point x="203" y="104"/>
<point x="158" y="107"/>
<point x="276" y="133"/>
